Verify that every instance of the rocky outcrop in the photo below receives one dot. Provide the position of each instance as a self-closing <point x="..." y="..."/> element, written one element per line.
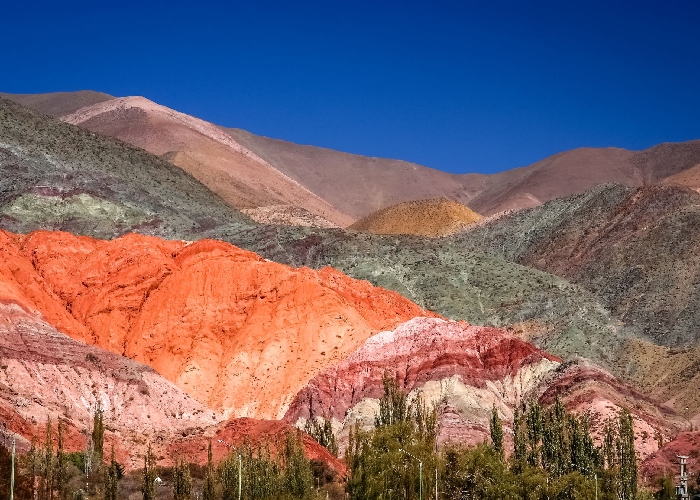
<point x="44" y="373"/>
<point x="463" y="369"/>
<point x="288" y="216"/>
<point x="236" y="332"/>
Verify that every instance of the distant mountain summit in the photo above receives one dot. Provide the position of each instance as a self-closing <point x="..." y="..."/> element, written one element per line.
<point x="251" y="171"/>
<point x="59" y="103"/>
<point x="432" y="218"/>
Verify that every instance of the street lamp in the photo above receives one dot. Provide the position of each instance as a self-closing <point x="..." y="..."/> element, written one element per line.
<point x="595" y="474"/>
<point x="420" y="469"/>
<point x="240" y="466"/>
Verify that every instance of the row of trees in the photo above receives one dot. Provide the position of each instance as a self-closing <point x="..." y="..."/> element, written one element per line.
<point x="554" y="456"/>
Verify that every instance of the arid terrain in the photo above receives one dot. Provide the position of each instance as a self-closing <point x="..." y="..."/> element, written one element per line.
<point x="199" y="283"/>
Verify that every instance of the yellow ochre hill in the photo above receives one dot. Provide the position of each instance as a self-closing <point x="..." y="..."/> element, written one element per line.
<point x="432" y="218"/>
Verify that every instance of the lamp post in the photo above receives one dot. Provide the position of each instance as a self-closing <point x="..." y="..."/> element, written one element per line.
<point x="240" y="466"/>
<point x="420" y="471"/>
<point x="595" y="475"/>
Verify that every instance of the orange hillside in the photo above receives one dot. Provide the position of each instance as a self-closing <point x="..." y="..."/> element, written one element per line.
<point x="236" y="332"/>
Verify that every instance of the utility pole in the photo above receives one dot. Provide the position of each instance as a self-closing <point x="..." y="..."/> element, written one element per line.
<point x="682" y="490"/>
<point x="240" y="466"/>
<point x="420" y="473"/>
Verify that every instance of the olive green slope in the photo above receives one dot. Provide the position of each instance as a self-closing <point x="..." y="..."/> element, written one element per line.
<point x="60" y="177"/>
<point x="638" y="249"/>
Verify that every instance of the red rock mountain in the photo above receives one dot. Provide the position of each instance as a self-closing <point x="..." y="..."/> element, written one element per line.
<point x="465" y="370"/>
<point x="236" y="332"/>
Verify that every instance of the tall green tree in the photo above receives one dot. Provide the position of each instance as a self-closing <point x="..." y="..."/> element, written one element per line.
<point x="60" y="462"/>
<point x="182" y="480"/>
<point x="323" y="433"/>
<point x="393" y="406"/>
<point x="98" y="434"/>
<point x="150" y="473"/>
<point x="519" y="441"/>
<point x="298" y="475"/>
<point x="627" y="457"/>
<point x="496" y="429"/>
<point x="48" y="465"/>
<point x="209" y="489"/>
<point x="112" y="476"/>
<point x="379" y="469"/>
<point x="535" y="426"/>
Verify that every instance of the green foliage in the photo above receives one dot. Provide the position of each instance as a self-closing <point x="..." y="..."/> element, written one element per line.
<point x="496" y="429"/>
<point x="667" y="490"/>
<point x="263" y="476"/>
<point x="393" y="407"/>
<point x="150" y="473"/>
<point x="98" y="433"/>
<point x="112" y="475"/>
<point x="209" y="489"/>
<point x="323" y="433"/>
<point x="520" y="438"/>
<point x="76" y="458"/>
<point x="535" y="427"/>
<point x="298" y="475"/>
<point x="46" y="479"/>
<point x="60" y="462"/>
<point x="23" y="484"/>
<point x="378" y="467"/>
<point x="182" y="480"/>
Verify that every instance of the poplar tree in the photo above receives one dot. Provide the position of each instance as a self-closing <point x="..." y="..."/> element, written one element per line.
<point x="519" y="441"/>
<point x="47" y="485"/>
<point x="393" y="407"/>
<point x="112" y="479"/>
<point x="535" y="425"/>
<point x="60" y="461"/>
<point x="627" y="457"/>
<point x="98" y="432"/>
<point x="496" y="428"/>
<point x="208" y="492"/>
<point x="150" y="473"/>
<point x="182" y="480"/>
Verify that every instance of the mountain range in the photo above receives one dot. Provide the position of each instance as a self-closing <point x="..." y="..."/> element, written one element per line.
<point x="174" y="263"/>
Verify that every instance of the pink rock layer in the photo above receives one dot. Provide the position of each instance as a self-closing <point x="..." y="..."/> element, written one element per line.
<point x="421" y="350"/>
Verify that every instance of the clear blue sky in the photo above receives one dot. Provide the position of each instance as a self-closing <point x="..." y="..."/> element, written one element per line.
<point x="457" y="86"/>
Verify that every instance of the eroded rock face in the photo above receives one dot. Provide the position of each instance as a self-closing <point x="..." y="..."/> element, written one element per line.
<point x="238" y="333"/>
<point x="587" y="388"/>
<point x="45" y="373"/>
<point x="464" y="369"/>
